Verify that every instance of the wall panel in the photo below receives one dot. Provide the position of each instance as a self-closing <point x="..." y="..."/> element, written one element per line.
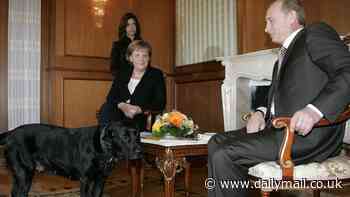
<point x="202" y="102"/>
<point x="82" y="37"/>
<point x="81" y="100"/>
<point x="170" y="90"/>
<point x="251" y="25"/>
<point x="78" y="43"/>
<point x="337" y="14"/>
<point x="45" y="44"/>
<point x="198" y="94"/>
<point x="77" y="96"/>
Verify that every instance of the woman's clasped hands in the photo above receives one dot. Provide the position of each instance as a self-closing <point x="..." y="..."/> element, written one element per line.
<point x="129" y="110"/>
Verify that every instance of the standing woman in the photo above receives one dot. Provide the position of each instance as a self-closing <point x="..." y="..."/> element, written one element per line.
<point x="136" y="89"/>
<point x="128" y="31"/>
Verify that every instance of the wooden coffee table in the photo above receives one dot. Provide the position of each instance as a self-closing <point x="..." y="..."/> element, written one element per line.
<point x="169" y="155"/>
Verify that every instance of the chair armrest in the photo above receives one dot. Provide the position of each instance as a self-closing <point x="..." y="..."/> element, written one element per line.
<point x="245" y="117"/>
<point x="151" y="114"/>
<point x="285" y="158"/>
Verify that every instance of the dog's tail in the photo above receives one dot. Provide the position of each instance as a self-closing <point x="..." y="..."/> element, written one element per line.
<point x="3" y="137"/>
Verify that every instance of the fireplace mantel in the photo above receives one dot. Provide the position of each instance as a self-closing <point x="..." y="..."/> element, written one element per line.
<point x="240" y="71"/>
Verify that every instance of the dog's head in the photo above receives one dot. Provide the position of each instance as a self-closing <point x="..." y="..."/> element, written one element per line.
<point x="124" y="139"/>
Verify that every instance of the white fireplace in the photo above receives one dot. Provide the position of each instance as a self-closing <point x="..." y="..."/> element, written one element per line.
<point x="242" y="72"/>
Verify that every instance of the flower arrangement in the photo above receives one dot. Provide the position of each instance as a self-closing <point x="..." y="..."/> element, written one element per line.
<point x="174" y="123"/>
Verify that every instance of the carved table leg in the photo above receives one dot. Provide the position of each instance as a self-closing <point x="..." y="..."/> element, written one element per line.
<point x="188" y="176"/>
<point x="169" y="188"/>
<point x="167" y="165"/>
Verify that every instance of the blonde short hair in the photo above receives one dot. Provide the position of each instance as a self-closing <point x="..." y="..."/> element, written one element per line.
<point x="138" y="44"/>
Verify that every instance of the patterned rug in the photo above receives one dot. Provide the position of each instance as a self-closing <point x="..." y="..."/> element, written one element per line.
<point x="67" y="188"/>
<point x="56" y="186"/>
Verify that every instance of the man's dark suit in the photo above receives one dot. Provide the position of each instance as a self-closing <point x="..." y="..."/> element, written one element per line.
<point x="315" y="70"/>
<point x="149" y="94"/>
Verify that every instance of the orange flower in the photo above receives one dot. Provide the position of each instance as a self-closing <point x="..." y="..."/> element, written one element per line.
<point x="176" y="118"/>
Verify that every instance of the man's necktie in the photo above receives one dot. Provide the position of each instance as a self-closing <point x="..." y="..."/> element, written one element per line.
<point x="281" y="53"/>
<point x="276" y="71"/>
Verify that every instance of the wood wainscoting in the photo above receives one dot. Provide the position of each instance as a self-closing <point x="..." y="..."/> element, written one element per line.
<point x="77" y="96"/>
<point x="198" y="94"/>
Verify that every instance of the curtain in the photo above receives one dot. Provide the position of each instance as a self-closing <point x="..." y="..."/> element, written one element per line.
<point x="205" y="29"/>
<point x="24" y="62"/>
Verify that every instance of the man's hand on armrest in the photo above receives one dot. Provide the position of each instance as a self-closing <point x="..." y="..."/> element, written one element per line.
<point x="304" y="119"/>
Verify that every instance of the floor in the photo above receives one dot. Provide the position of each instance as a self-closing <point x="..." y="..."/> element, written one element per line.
<point x="119" y="185"/>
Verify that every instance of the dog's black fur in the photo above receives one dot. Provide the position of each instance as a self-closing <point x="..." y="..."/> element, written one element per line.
<point x="86" y="154"/>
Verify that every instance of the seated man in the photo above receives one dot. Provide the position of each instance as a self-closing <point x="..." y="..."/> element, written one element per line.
<point x="311" y="80"/>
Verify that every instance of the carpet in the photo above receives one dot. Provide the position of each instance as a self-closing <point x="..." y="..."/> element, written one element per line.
<point x="56" y="186"/>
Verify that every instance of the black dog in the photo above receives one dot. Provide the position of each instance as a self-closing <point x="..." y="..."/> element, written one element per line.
<point x="86" y="154"/>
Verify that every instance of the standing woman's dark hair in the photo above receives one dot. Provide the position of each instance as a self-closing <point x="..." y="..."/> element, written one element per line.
<point x="124" y="23"/>
<point x="128" y="31"/>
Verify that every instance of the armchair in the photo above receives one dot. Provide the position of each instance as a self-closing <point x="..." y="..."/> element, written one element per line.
<point x="332" y="169"/>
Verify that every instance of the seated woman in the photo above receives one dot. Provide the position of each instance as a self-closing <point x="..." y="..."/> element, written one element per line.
<point x="135" y="90"/>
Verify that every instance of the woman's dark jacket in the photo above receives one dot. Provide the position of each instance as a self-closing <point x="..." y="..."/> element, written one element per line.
<point x="149" y="94"/>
